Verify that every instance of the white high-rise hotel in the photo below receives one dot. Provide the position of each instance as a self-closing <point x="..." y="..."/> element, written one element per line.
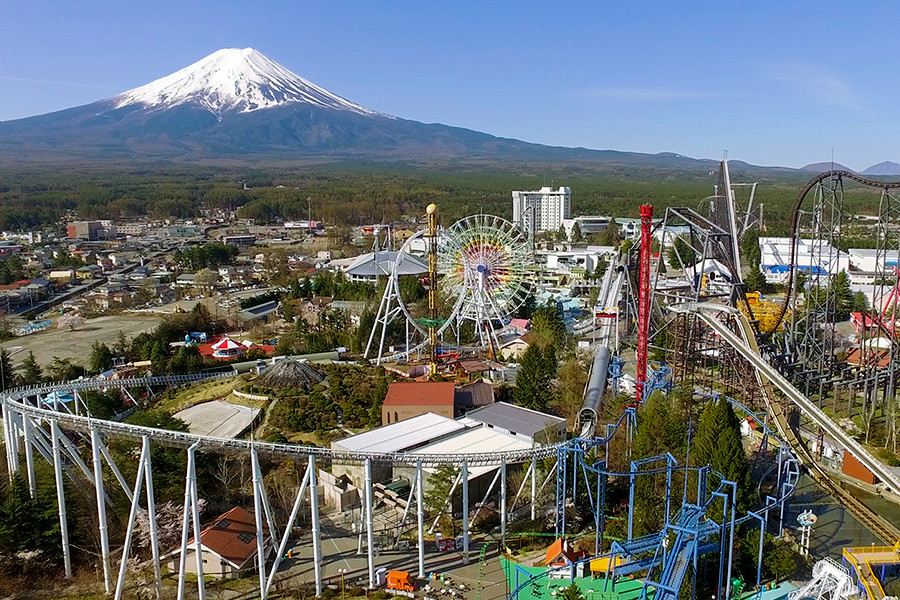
<point x="546" y="206"/>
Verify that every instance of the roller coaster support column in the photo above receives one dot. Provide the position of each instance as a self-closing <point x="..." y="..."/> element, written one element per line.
<point x="314" y="517"/>
<point x="631" y="500"/>
<point x="465" y="510"/>
<point x="420" y="510"/>
<point x="28" y="432"/>
<point x="191" y="519"/>
<point x="502" y="503"/>
<point x="431" y="213"/>
<point x="60" y="495"/>
<point x="151" y="517"/>
<point x="533" y="488"/>
<point x="722" y="526"/>
<point x="8" y="441"/>
<point x="733" y="502"/>
<point x="644" y="301"/>
<point x="257" y="509"/>
<point x="600" y="525"/>
<point x="132" y="519"/>
<point x="101" y="507"/>
<point x="370" y="524"/>
<point x="762" y="535"/>
<point x="561" y="489"/>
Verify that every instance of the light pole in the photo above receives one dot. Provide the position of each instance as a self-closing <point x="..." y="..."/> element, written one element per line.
<point x="342" y="572"/>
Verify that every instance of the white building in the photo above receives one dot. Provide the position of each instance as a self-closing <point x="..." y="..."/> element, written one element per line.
<point x="576" y="260"/>
<point x="868" y="260"/>
<point x="814" y="257"/>
<point x="587" y="224"/>
<point x="546" y="207"/>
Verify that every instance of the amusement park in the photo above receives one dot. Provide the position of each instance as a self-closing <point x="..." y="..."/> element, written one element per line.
<point x="733" y="431"/>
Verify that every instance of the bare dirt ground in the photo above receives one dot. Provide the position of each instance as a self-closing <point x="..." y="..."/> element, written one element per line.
<point x="76" y="344"/>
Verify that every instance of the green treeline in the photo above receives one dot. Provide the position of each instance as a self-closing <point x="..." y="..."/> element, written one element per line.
<point x="358" y="195"/>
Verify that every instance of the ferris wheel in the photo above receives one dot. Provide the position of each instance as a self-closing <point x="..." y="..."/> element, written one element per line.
<point x="485" y="262"/>
<point x="484" y="267"/>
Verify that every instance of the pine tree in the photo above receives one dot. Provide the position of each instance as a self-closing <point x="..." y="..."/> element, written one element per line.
<point x="8" y="377"/>
<point x="101" y="357"/>
<point x="755" y="281"/>
<point x="660" y="429"/>
<point x="533" y="380"/>
<point x="717" y="443"/>
<point x="547" y="325"/>
<point x="681" y="254"/>
<point x="703" y="442"/>
<point x="31" y="370"/>
<point x="577" y="236"/>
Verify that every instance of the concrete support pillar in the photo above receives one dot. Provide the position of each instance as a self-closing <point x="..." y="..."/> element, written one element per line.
<point x="465" y="510"/>
<point x="60" y="498"/>
<point x="101" y="509"/>
<point x="314" y="509"/>
<point x="502" y="503"/>
<point x="370" y="524"/>
<point x="420" y="511"/>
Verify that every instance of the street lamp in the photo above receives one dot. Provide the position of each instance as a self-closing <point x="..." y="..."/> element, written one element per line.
<point x="342" y="572"/>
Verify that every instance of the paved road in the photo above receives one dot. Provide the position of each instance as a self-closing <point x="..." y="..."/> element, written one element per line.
<point x="835" y="527"/>
<point x="339" y="551"/>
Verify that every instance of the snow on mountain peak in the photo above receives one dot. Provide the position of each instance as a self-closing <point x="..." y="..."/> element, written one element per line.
<point x="241" y="79"/>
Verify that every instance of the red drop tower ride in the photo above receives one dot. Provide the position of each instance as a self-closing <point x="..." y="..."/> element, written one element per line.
<point x="644" y="301"/>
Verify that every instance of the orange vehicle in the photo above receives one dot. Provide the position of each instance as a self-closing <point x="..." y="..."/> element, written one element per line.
<point x="400" y="580"/>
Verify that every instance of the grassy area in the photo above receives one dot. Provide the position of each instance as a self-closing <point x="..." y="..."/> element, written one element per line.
<point x="201" y="392"/>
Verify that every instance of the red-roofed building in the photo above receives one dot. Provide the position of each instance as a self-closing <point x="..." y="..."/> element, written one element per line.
<point x="858" y="320"/>
<point x="228" y="546"/>
<point x="231" y="350"/>
<point x="407" y="399"/>
<point x="559" y="554"/>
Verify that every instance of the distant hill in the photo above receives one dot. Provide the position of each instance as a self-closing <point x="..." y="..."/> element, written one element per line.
<point x="883" y="168"/>
<point x="822" y="167"/>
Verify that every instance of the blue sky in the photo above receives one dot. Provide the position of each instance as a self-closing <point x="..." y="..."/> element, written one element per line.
<point x="773" y="83"/>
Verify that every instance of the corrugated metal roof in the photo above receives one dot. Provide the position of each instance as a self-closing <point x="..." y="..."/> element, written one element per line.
<point x="402" y="435"/>
<point x="474" y="441"/>
<point x="382" y="263"/>
<point x="514" y="418"/>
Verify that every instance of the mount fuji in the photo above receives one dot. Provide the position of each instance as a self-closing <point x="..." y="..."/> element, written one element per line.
<point x="241" y="80"/>
<point x="236" y="104"/>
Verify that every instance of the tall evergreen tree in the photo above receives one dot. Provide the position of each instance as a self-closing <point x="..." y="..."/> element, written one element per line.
<point x="101" y="357"/>
<point x="660" y="429"/>
<point x="32" y="374"/>
<point x="8" y="377"/>
<point x="717" y="443"/>
<point x="548" y="326"/>
<point x="533" y="379"/>
<point x="28" y="523"/>
<point x="681" y="254"/>
<point x="755" y="281"/>
<point x="577" y="235"/>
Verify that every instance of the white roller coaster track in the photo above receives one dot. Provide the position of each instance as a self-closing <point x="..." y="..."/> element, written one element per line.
<point x="708" y="311"/>
<point x="17" y="402"/>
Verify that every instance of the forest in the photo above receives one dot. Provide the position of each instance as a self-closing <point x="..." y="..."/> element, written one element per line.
<point x="350" y="195"/>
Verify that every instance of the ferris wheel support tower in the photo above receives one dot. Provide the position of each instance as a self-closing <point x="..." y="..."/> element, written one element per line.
<point x="431" y="212"/>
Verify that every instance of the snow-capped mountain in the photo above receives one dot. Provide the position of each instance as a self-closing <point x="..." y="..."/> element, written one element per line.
<point x="234" y="79"/>
<point x="237" y="105"/>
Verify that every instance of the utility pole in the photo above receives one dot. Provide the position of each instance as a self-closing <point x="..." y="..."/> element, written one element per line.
<point x="309" y="215"/>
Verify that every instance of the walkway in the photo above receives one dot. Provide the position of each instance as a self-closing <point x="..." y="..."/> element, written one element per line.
<point x="863" y="558"/>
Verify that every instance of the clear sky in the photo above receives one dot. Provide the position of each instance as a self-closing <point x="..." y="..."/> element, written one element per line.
<point x="773" y="83"/>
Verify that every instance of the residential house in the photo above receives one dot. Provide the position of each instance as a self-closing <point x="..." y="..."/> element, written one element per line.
<point x="228" y="546"/>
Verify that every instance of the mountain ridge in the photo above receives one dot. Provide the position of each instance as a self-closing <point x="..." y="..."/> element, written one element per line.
<point x="237" y="104"/>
